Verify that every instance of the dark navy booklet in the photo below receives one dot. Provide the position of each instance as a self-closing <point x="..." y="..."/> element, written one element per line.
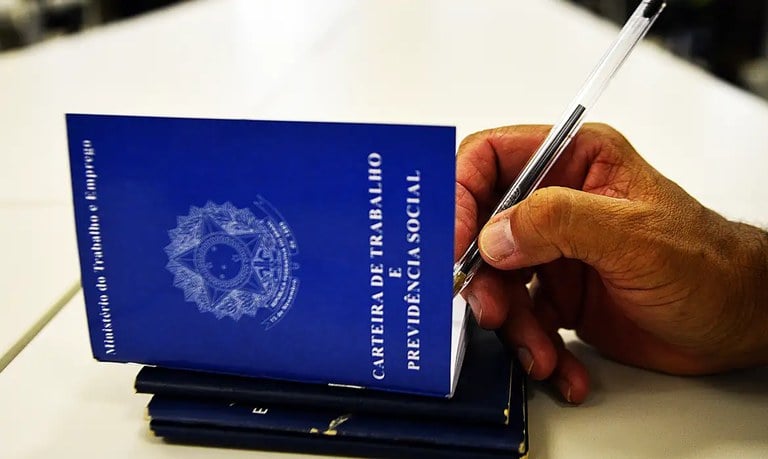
<point x="489" y="388"/>
<point x="360" y="423"/>
<point x="313" y="252"/>
<point x="182" y="433"/>
<point x="343" y="427"/>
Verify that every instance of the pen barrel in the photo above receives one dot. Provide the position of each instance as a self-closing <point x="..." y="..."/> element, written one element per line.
<point x="543" y="159"/>
<point x="570" y="122"/>
<point x="631" y="33"/>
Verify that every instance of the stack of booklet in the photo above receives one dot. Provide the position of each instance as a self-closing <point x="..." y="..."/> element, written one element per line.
<point x="288" y="285"/>
<point x="485" y="418"/>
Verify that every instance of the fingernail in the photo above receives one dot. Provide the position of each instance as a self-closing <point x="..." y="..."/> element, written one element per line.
<point x="496" y="240"/>
<point x="526" y="359"/>
<point x="565" y="388"/>
<point x="477" y="308"/>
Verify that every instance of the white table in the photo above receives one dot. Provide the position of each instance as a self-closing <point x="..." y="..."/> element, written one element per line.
<point x="484" y="64"/>
<point x="59" y="402"/>
<point x="39" y="270"/>
<point x="473" y="64"/>
<point x="216" y="58"/>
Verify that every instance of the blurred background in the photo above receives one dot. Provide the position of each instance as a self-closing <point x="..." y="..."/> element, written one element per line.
<point x="728" y="38"/>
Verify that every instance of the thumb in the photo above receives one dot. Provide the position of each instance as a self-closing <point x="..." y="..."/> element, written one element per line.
<point x="557" y="222"/>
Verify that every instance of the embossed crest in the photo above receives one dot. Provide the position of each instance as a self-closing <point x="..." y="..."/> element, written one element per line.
<point x="232" y="262"/>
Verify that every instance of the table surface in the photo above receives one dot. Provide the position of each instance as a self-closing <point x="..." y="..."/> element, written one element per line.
<point x="193" y="60"/>
<point x="470" y="64"/>
<point x="39" y="267"/>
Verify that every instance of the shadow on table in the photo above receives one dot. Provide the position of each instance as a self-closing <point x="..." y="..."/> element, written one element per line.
<point x="637" y="413"/>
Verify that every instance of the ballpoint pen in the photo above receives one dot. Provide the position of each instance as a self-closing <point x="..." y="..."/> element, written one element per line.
<point x="561" y="134"/>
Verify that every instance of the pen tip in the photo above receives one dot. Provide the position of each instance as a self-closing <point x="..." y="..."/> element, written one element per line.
<point x="458" y="282"/>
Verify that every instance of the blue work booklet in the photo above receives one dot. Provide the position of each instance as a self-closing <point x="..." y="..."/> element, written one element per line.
<point x="313" y="252"/>
<point x="489" y="391"/>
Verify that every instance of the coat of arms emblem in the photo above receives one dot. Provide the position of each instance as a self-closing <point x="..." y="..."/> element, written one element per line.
<point x="233" y="262"/>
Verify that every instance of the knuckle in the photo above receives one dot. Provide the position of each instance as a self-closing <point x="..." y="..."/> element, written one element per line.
<point x="476" y="175"/>
<point x="603" y="129"/>
<point x="551" y="213"/>
<point x="472" y="139"/>
<point x="529" y="218"/>
<point x="549" y="210"/>
<point x="466" y="210"/>
<point x="499" y="132"/>
<point x="554" y="204"/>
<point x="465" y="221"/>
<point x="610" y="139"/>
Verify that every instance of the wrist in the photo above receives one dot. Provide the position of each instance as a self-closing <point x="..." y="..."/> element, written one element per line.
<point x="750" y="333"/>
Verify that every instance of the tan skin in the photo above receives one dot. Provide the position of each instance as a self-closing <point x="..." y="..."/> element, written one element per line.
<point x="622" y="255"/>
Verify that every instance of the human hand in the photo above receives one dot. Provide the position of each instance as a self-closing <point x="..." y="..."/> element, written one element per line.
<point x="622" y="255"/>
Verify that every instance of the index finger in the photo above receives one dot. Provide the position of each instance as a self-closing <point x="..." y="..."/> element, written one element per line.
<point x="487" y="162"/>
<point x="481" y="171"/>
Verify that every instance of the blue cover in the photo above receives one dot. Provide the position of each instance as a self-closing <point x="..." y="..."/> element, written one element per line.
<point x="315" y="252"/>
<point x="489" y="391"/>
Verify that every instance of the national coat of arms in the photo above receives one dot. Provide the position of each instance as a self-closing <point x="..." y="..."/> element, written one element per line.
<point x="233" y="262"/>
